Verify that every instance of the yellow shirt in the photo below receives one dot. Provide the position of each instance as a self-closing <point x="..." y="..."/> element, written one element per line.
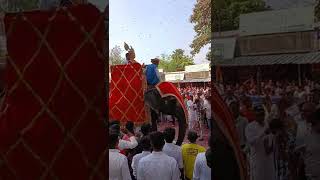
<point x="189" y="154"/>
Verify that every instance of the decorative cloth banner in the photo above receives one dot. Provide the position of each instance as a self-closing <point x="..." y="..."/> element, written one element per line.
<point x="52" y="122"/>
<point x="126" y="94"/>
<point x="225" y="121"/>
<point x="168" y="89"/>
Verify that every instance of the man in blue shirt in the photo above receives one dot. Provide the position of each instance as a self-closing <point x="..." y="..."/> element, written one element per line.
<point x="152" y="73"/>
<point x="153" y="78"/>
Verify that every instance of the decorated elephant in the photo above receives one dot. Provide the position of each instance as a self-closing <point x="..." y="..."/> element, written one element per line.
<point x="169" y="105"/>
<point x="129" y="93"/>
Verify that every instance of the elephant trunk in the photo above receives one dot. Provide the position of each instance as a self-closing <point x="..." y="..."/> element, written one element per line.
<point x="182" y="125"/>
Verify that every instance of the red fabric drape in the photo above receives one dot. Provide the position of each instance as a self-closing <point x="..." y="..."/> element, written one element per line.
<point x="52" y="118"/>
<point x="225" y="121"/>
<point x="219" y="77"/>
<point x="169" y="89"/>
<point x="126" y="94"/>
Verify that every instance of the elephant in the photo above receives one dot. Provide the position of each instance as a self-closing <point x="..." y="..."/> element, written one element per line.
<point x="166" y="105"/>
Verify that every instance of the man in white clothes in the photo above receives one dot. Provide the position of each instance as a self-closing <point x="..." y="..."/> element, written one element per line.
<point x="171" y="149"/>
<point x="207" y="107"/>
<point x="158" y="165"/>
<point x="312" y="149"/>
<point x="261" y="162"/>
<point x="123" y="144"/>
<point x="118" y="163"/>
<point x="240" y="122"/>
<point x="146" y="146"/>
<point x="191" y="112"/>
<point x="201" y="169"/>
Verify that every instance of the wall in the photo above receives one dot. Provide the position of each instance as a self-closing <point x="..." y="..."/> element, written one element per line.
<point x="294" y="42"/>
<point x="197" y="75"/>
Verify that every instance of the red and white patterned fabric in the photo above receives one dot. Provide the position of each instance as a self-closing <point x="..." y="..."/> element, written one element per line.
<point x="168" y="89"/>
<point x="52" y="121"/>
<point x="126" y="94"/>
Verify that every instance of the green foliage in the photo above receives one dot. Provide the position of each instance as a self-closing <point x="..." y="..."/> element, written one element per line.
<point x="226" y="12"/>
<point x="175" y="62"/>
<point x="317" y="10"/>
<point x="201" y="18"/>
<point x="115" y="56"/>
<point x="24" y="5"/>
<point x="225" y="17"/>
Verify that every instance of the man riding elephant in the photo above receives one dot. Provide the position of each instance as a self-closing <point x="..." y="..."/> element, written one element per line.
<point x="153" y="78"/>
<point x="152" y="73"/>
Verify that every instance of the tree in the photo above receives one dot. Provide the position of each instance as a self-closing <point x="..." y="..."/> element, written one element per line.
<point x="115" y="56"/>
<point x="317" y="10"/>
<point x="164" y="62"/>
<point x="201" y="18"/>
<point x="225" y="17"/>
<point x="226" y="13"/>
<point x="25" y="5"/>
<point x="176" y="61"/>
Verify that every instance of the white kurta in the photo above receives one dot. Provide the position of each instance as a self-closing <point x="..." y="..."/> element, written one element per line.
<point x="312" y="157"/>
<point x="136" y="159"/>
<point x="118" y="166"/>
<point x="201" y="169"/>
<point x="158" y="166"/>
<point x="191" y="113"/>
<point x="174" y="151"/>
<point x="207" y="106"/>
<point x="261" y="164"/>
<point x="123" y="144"/>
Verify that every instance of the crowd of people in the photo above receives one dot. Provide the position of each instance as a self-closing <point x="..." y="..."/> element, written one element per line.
<point x="197" y="101"/>
<point x="278" y="126"/>
<point x="138" y="153"/>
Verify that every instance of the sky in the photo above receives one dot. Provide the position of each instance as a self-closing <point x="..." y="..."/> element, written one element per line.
<point x="153" y="27"/>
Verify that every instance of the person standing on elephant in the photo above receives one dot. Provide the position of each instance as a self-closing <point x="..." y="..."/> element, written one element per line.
<point x="130" y="56"/>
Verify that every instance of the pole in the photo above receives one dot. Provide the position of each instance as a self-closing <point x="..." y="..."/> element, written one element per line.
<point x="259" y="79"/>
<point x="299" y="74"/>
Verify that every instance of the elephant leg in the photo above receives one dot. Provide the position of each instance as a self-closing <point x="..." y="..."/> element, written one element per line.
<point x="154" y="119"/>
